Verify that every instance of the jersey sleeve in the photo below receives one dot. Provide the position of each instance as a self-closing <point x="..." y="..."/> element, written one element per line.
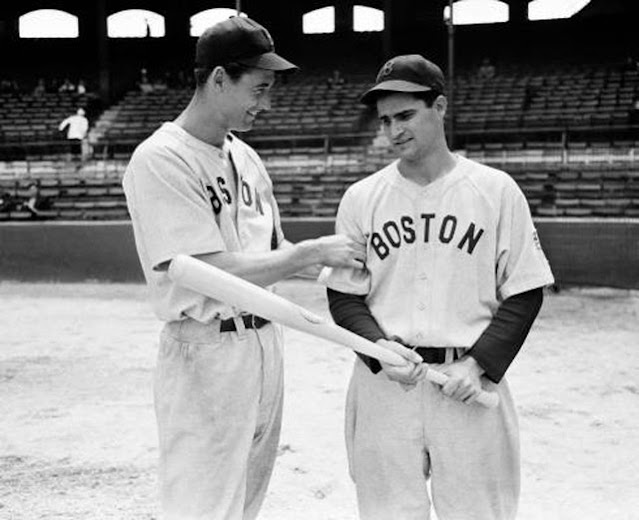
<point x="170" y="207"/>
<point x="348" y="222"/>
<point x="521" y="262"/>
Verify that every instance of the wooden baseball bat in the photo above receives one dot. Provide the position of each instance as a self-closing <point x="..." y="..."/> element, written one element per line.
<point x="220" y="285"/>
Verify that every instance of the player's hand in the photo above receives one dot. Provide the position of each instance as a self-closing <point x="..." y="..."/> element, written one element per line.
<point x="464" y="383"/>
<point x="407" y="375"/>
<point x="341" y="251"/>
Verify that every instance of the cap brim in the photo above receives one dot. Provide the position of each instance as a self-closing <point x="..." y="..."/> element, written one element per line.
<point x="394" y="85"/>
<point x="269" y="61"/>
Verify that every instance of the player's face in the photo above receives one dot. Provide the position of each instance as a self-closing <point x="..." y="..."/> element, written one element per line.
<point x="413" y="129"/>
<point x="248" y="96"/>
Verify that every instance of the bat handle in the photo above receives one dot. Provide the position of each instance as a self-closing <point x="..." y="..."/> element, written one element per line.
<point x="487" y="399"/>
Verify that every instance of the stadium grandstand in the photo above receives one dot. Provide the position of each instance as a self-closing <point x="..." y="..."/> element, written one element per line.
<point x="558" y="110"/>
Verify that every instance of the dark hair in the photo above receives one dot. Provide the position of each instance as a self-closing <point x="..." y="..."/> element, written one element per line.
<point x="428" y="97"/>
<point x="234" y="71"/>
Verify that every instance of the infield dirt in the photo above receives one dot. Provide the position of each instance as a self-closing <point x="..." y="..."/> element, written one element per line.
<point x="78" y="439"/>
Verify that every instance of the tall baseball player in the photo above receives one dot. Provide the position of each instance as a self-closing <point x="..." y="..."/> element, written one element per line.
<point x="454" y="271"/>
<point x="196" y="189"/>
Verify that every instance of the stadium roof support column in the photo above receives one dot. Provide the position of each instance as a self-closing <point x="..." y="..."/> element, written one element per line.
<point x="519" y="27"/>
<point x="285" y="25"/>
<point x="518" y="11"/>
<point x="93" y="35"/>
<point x="8" y="25"/>
<point x="9" y="36"/>
<point x="415" y="26"/>
<point x="178" y="27"/>
<point x="343" y="17"/>
<point x="387" y="44"/>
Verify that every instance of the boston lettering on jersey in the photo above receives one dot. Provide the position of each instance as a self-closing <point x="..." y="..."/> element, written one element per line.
<point x="250" y="196"/>
<point x="393" y="234"/>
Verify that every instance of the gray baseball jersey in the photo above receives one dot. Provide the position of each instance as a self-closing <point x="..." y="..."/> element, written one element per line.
<point x="440" y="258"/>
<point x="178" y="193"/>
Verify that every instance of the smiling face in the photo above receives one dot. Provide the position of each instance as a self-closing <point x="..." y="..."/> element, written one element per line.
<point x="246" y="97"/>
<point x="413" y="129"/>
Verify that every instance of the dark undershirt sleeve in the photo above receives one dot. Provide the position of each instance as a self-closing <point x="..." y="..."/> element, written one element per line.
<point x="351" y="312"/>
<point x="495" y="349"/>
<point x="498" y="345"/>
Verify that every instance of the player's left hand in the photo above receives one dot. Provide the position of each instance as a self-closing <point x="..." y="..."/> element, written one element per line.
<point x="407" y="375"/>
<point x="464" y="383"/>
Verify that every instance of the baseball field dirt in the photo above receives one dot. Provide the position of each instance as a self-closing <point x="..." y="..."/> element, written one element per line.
<point x="78" y="439"/>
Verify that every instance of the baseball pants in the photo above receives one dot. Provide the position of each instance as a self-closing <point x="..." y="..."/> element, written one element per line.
<point x="218" y="403"/>
<point x="397" y="440"/>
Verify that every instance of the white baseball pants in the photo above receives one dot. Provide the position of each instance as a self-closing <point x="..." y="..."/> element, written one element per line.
<point x="396" y="440"/>
<point x="218" y="403"/>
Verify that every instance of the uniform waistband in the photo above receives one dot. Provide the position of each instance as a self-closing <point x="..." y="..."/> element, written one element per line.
<point x="439" y="354"/>
<point x="251" y="321"/>
<point x="192" y="330"/>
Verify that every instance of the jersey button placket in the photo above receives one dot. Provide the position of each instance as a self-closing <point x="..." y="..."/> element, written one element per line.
<point x="423" y="282"/>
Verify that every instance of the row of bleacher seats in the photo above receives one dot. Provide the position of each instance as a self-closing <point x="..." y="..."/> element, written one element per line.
<point x="70" y="198"/>
<point x="517" y="97"/>
<point x="29" y="117"/>
<point x="296" y="108"/>
<point x="309" y="182"/>
<point x="578" y="95"/>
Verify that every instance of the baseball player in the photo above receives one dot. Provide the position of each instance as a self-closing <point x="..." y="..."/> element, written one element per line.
<point x="455" y="272"/>
<point x="194" y="188"/>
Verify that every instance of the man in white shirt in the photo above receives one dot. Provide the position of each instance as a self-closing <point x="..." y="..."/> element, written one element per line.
<point x="77" y="127"/>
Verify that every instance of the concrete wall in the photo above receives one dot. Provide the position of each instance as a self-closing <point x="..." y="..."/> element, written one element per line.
<point x="580" y="251"/>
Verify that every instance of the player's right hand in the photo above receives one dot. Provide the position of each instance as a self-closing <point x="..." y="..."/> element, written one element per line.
<point x="410" y="373"/>
<point x="341" y="251"/>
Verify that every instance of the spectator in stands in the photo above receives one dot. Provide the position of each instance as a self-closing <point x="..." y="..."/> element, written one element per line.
<point x="7" y="202"/>
<point x="35" y="203"/>
<point x="183" y="80"/>
<point x="631" y="64"/>
<point x="9" y="85"/>
<point x="335" y="79"/>
<point x="77" y="127"/>
<point x="67" y="86"/>
<point x="81" y="89"/>
<point x="145" y="85"/>
<point x="40" y="88"/>
<point x="486" y="69"/>
<point x="159" y="85"/>
<point x="634" y="111"/>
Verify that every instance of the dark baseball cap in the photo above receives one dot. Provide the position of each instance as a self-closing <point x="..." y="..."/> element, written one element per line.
<point x="240" y="40"/>
<point x="408" y="73"/>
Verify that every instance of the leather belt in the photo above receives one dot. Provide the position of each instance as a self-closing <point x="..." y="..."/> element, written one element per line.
<point x="250" y="322"/>
<point x="434" y="354"/>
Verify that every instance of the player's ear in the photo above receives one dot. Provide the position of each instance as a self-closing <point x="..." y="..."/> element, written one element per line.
<point x="217" y="77"/>
<point x="441" y="104"/>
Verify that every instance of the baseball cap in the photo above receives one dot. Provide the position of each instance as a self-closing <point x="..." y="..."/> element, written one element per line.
<point x="240" y="40"/>
<point x="408" y="73"/>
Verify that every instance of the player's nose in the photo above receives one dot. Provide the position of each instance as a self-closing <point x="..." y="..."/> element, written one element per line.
<point x="265" y="102"/>
<point x="396" y="129"/>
